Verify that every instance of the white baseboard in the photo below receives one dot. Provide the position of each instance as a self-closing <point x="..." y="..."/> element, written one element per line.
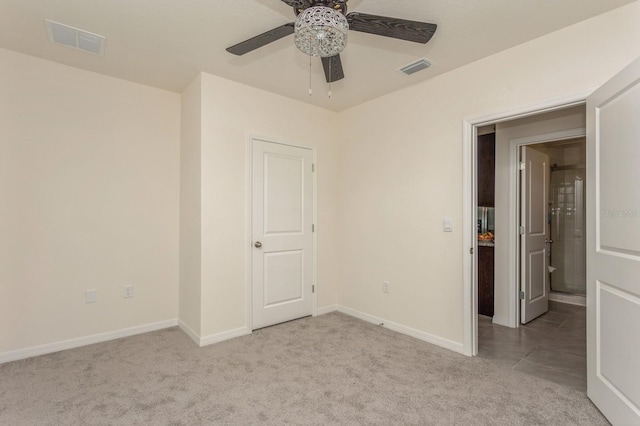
<point x="420" y="335"/>
<point x="83" y="341"/>
<point x="189" y="332"/>
<point x="213" y="338"/>
<point x="572" y="299"/>
<point x="224" y="335"/>
<point x="326" y="309"/>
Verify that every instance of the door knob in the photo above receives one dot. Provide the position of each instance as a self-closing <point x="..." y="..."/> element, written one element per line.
<point x="258" y="244"/>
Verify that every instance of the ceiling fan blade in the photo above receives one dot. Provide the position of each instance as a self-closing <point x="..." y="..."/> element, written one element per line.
<point x="419" y="32"/>
<point x="262" y="39"/>
<point x="294" y="3"/>
<point x="333" y="68"/>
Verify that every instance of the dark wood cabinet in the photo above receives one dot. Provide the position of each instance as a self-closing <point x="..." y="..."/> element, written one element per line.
<point x="486" y="198"/>
<point x="485" y="281"/>
<point x="486" y="170"/>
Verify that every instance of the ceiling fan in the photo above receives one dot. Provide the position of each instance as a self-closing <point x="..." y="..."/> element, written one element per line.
<point x="418" y="32"/>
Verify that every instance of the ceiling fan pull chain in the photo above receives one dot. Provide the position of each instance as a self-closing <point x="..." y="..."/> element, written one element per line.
<point x="310" y="91"/>
<point x="330" y="73"/>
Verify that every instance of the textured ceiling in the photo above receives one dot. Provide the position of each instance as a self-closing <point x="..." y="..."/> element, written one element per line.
<point x="165" y="43"/>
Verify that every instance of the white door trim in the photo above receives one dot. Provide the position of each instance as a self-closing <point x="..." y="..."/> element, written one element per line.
<point x="469" y="203"/>
<point x="248" y="222"/>
<point x="514" y="210"/>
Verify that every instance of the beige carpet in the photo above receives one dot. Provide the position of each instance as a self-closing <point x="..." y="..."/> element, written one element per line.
<point x="331" y="369"/>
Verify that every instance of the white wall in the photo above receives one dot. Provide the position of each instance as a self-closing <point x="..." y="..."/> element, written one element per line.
<point x="90" y="183"/>
<point x="190" y="294"/>
<point x="566" y="119"/>
<point x="89" y="186"/>
<point x="401" y="167"/>
<point x="230" y="113"/>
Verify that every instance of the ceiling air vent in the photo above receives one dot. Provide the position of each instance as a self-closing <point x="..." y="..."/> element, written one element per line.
<point x="75" y="38"/>
<point x="413" y="67"/>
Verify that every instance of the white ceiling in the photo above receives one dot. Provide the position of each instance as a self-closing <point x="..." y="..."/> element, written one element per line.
<point x="165" y="43"/>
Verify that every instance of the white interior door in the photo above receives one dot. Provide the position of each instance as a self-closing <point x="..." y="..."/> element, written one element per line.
<point x="282" y="215"/>
<point x="534" y="241"/>
<point x="613" y="247"/>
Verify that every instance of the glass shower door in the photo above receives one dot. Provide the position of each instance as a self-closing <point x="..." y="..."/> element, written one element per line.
<point x="568" y="251"/>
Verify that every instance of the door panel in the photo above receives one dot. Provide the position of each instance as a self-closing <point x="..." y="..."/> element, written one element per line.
<point x="619" y="376"/>
<point x="613" y="247"/>
<point x="283" y="193"/>
<point x="536" y="267"/>
<point x="534" y="242"/>
<point x="621" y="146"/>
<point x="285" y="278"/>
<point x="282" y="214"/>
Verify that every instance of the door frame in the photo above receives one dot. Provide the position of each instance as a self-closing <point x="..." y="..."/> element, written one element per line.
<point x="249" y="220"/>
<point x="470" y="127"/>
<point x="515" y="210"/>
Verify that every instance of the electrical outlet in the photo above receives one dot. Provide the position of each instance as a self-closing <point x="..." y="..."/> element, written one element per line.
<point x="128" y="291"/>
<point x="90" y="296"/>
<point x="385" y="286"/>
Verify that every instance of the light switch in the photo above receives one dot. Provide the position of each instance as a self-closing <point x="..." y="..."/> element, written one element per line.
<point x="447" y="224"/>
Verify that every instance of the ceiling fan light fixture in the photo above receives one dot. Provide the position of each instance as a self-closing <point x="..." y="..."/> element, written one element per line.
<point x="321" y="31"/>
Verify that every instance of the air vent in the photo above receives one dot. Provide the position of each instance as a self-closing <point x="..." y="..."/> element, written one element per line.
<point x="413" y="67"/>
<point x="75" y="38"/>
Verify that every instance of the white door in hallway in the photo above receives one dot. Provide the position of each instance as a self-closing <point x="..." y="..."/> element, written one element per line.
<point x="534" y="239"/>
<point x="613" y="247"/>
<point x="282" y="239"/>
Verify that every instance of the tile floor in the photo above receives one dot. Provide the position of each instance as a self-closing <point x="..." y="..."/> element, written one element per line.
<point x="552" y="346"/>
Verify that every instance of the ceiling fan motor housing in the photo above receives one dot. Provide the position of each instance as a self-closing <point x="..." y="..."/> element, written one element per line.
<point x="321" y="31"/>
<point x="300" y="6"/>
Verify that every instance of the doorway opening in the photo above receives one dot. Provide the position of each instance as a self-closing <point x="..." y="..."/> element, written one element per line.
<point x="567" y="211"/>
<point x="523" y="239"/>
<point x="521" y="245"/>
<point x="506" y="235"/>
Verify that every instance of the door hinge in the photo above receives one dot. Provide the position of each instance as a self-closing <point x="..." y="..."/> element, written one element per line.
<point x="313" y="289"/>
<point x="471" y="250"/>
<point x="521" y="230"/>
<point x="313" y="167"/>
<point x="313" y="227"/>
<point x="521" y="296"/>
<point x="523" y="165"/>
